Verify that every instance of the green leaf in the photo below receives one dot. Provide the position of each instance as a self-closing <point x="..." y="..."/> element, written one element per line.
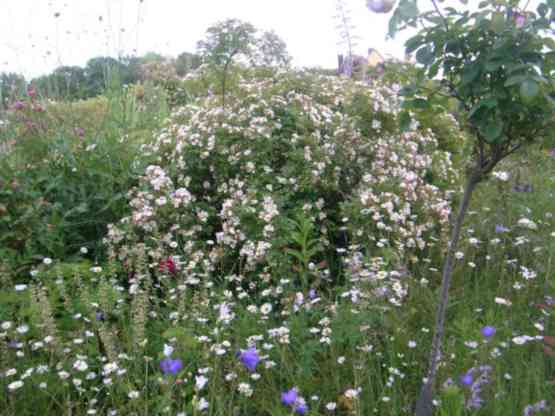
<point x="408" y="10"/>
<point x="494" y="64"/>
<point x="549" y="42"/>
<point x="529" y="89"/>
<point x="470" y="72"/>
<point x="413" y="43"/>
<point x="492" y="129"/>
<point x="432" y="72"/>
<point x="407" y="91"/>
<point x="542" y="10"/>
<point x="514" y="80"/>
<point x="404" y="121"/>
<point x="425" y="55"/>
<point x="498" y="22"/>
<point x="487" y="103"/>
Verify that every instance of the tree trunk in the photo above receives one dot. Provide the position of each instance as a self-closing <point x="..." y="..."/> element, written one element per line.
<point x="424" y="405"/>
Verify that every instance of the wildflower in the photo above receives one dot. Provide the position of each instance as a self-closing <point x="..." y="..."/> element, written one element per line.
<point x="475" y="401"/>
<point x="250" y="358"/>
<point x="502" y="301"/>
<point x="289" y="398"/>
<point x="500" y="228"/>
<point x="467" y="379"/>
<point x="200" y="382"/>
<point x="202" y="404"/>
<point x="488" y="331"/>
<point x="331" y="406"/>
<point x="80" y="365"/>
<point x="167" y="266"/>
<point x="15" y="385"/>
<point x="520" y="20"/>
<point x="502" y="176"/>
<point x="535" y="408"/>
<point x="168" y="350"/>
<point x="245" y="389"/>
<point x="170" y="366"/>
<point x="133" y="394"/>
<point x="300" y="407"/>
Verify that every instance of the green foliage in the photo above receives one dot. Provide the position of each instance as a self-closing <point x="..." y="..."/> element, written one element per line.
<point x="499" y="68"/>
<point x="67" y="175"/>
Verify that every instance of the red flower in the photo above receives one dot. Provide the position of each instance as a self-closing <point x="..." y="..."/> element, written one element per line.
<point x="167" y="265"/>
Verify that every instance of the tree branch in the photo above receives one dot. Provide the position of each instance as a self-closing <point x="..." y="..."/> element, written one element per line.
<point x="445" y="22"/>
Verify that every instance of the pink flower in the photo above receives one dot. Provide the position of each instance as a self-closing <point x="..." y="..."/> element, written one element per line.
<point x="520" y="20"/>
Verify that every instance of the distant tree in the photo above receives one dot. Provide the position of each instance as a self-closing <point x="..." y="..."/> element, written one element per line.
<point x="11" y="86"/>
<point x="225" y="42"/>
<point x="271" y="50"/>
<point x="187" y="62"/>
<point x="100" y="73"/>
<point x="71" y="81"/>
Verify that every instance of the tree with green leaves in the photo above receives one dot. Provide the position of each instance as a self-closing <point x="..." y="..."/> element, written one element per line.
<point x="498" y="64"/>
<point x="271" y="50"/>
<point x="225" y="42"/>
<point x="233" y="40"/>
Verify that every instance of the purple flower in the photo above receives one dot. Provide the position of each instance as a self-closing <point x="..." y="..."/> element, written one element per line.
<point x="466" y="380"/>
<point x="300" y="407"/>
<point x="488" y="331"/>
<point x="535" y="408"/>
<point x="520" y="20"/>
<point x="19" y="105"/>
<point x="475" y="400"/>
<point x="99" y="316"/>
<point x="250" y="358"/>
<point x="524" y="187"/>
<point x="312" y="294"/>
<point x="170" y="366"/>
<point x="79" y="131"/>
<point x="500" y="228"/>
<point x="289" y="398"/>
<point x="552" y="152"/>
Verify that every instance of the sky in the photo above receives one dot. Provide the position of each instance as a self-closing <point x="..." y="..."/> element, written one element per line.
<point x="36" y="36"/>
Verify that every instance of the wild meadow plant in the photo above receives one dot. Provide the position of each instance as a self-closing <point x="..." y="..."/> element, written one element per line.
<point x="278" y="255"/>
<point x="276" y="260"/>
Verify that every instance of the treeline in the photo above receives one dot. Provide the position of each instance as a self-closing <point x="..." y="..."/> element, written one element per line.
<point x="76" y="82"/>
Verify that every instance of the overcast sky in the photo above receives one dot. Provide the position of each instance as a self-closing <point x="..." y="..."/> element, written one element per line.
<point x="38" y="35"/>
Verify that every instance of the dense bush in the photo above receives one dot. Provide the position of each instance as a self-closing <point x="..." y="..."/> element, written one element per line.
<point x="283" y="180"/>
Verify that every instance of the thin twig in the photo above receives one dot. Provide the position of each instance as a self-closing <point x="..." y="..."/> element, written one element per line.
<point x="445" y="22"/>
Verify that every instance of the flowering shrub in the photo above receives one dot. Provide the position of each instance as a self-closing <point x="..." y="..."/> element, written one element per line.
<point x="229" y="186"/>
